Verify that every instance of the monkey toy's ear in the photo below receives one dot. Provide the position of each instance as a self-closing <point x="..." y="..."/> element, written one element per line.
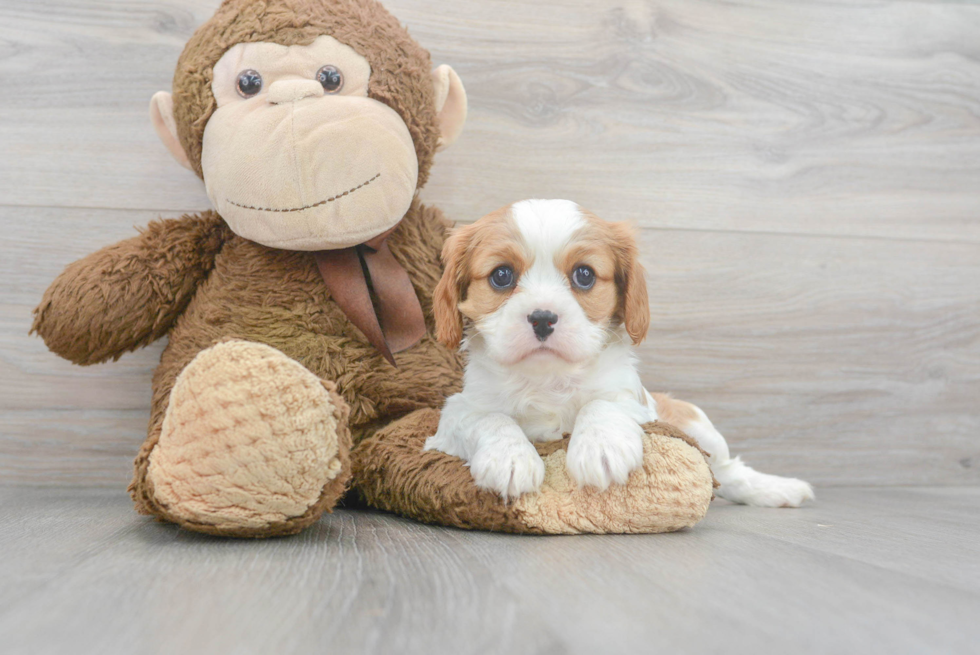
<point x="450" y="104"/>
<point x="162" y="115"/>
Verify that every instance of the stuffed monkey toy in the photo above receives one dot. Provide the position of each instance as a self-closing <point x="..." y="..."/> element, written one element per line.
<point x="301" y="364"/>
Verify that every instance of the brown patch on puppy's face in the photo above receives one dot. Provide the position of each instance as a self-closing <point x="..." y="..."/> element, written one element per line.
<point x="619" y="292"/>
<point x="592" y="247"/>
<point x="494" y="244"/>
<point x="472" y="252"/>
<point x="557" y="261"/>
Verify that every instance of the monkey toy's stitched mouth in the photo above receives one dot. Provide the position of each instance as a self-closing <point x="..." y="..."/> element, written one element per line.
<point x="316" y="204"/>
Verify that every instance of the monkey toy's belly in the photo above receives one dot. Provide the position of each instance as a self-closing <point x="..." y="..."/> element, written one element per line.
<point x="276" y="297"/>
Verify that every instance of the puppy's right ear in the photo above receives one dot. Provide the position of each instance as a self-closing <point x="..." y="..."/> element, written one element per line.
<point x="446" y="297"/>
<point x="632" y="282"/>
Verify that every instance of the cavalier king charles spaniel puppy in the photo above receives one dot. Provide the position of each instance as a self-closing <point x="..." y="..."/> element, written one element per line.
<point x="548" y="301"/>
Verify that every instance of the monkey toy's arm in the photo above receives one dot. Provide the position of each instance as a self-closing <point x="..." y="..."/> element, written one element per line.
<point x="127" y="295"/>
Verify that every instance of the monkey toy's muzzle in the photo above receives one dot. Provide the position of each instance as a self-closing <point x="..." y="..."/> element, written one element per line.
<point x="295" y="170"/>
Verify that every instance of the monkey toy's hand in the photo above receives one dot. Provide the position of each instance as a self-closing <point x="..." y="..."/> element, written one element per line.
<point x="128" y="295"/>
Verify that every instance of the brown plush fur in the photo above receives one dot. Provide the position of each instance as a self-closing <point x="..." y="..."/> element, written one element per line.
<point x="400" y="67"/>
<point x="198" y="283"/>
<point x="240" y="390"/>
<point x="276" y="297"/>
<point x="128" y="295"/>
<point x="395" y="474"/>
<point x="221" y="286"/>
<point x="430" y="486"/>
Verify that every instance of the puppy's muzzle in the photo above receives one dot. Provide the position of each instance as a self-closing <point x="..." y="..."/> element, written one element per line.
<point x="542" y="322"/>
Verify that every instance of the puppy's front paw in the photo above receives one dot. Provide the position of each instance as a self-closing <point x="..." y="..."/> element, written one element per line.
<point x="510" y="469"/>
<point x="600" y="455"/>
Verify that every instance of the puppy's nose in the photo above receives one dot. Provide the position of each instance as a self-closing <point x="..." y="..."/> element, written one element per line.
<point x="542" y="322"/>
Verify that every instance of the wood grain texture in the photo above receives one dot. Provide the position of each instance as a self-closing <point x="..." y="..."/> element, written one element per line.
<point x="806" y="175"/>
<point x="866" y="570"/>
<point x="840" y="360"/>
<point x="845" y="360"/>
<point x="829" y="117"/>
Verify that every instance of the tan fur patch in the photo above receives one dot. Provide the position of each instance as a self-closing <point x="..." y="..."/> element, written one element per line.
<point x="593" y="246"/>
<point x="471" y="253"/>
<point x="400" y="67"/>
<point x="482" y="300"/>
<point x="496" y="243"/>
<point x="676" y="412"/>
<point x="614" y="256"/>
<point x="250" y="438"/>
<point x="222" y="286"/>
<point x="669" y="492"/>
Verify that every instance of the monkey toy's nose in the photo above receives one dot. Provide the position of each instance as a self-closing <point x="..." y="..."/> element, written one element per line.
<point x="283" y="91"/>
<point x="542" y="322"/>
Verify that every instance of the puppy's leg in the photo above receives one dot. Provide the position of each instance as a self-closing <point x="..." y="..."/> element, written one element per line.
<point x="739" y="483"/>
<point x="505" y="461"/>
<point x="500" y="456"/>
<point x="606" y="445"/>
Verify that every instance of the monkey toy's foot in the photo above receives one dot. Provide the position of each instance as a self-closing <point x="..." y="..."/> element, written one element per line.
<point x="670" y="491"/>
<point x="252" y="445"/>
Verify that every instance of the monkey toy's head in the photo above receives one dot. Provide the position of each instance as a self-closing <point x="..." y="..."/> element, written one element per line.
<point x="312" y="122"/>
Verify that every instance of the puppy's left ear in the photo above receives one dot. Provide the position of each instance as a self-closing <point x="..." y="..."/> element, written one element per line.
<point x="631" y="280"/>
<point x="446" y="297"/>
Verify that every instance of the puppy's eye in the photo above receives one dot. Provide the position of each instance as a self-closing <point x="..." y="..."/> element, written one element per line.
<point x="331" y="78"/>
<point x="583" y="277"/>
<point x="249" y="83"/>
<point x="502" y="278"/>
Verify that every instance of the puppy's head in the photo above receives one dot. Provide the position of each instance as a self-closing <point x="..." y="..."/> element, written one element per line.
<point x="542" y="282"/>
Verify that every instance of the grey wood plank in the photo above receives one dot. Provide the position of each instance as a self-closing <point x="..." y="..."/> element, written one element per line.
<point x="839" y="360"/>
<point x="86" y="572"/>
<point x="844" y="360"/>
<point x="830" y="117"/>
<point x="71" y="446"/>
<point x="45" y="533"/>
<point x="38" y="244"/>
<point x="354" y="583"/>
<point x="922" y="532"/>
<point x="79" y="134"/>
<point x="710" y="590"/>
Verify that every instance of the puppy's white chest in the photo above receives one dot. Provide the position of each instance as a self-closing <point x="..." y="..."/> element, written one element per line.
<point x="547" y="415"/>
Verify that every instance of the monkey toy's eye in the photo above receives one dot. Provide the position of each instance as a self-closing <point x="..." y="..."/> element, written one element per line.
<point x="502" y="278"/>
<point x="331" y="78"/>
<point x="249" y="83"/>
<point x="583" y="277"/>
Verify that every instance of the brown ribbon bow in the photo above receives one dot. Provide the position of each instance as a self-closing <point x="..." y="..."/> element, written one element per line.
<point x="374" y="292"/>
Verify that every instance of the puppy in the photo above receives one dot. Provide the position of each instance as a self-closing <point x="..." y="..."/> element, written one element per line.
<point x="553" y="300"/>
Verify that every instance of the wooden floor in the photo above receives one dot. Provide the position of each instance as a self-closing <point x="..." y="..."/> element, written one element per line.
<point x="862" y="571"/>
